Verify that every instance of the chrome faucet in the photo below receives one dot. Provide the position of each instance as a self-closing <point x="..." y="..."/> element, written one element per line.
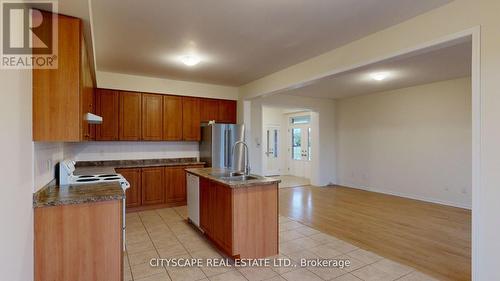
<point x="247" y="165"/>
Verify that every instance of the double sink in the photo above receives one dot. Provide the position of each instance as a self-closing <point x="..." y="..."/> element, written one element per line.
<point x="233" y="176"/>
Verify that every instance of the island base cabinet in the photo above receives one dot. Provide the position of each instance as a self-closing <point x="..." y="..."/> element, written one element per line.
<point x="242" y="221"/>
<point x="79" y="242"/>
<point x="255" y="221"/>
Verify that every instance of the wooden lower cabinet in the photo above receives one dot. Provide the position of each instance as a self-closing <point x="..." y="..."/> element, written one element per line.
<point x="155" y="187"/>
<point x="175" y="180"/>
<point x="242" y="221"/>
<point x="215" y="213"/>
<point x="134" y="192"/>
<point x="221" y="205"/>
<point x="204" y="204"/>
<point x="78" y="242"/>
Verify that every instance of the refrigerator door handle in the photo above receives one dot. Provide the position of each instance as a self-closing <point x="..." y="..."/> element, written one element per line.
<point x="226" y="145"/>
<point x="229" y="148"/>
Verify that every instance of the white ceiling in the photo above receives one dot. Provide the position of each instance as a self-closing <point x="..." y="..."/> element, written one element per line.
<point x="442" y="62"/>
<point x="239" y="40"/>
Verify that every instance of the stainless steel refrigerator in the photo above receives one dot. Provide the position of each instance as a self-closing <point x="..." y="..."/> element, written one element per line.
<point x="216" y="145"/>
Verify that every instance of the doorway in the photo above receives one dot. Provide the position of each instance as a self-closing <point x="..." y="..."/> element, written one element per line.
<point x="272" y="151"/>
<point x="299" y="145"/>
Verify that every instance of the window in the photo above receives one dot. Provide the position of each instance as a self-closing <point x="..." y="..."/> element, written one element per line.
<point x="276" y="143"/>
<point x="296" y="143"/>
<point x="272" y="143"/>
<point x="297" y="120"/>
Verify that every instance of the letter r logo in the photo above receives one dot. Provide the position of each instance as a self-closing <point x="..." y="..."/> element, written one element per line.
<point x="27" y="30"/>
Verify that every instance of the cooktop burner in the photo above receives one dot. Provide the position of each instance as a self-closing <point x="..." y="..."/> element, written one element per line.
<point x="87" y="180"/>
<point x="108" y="175"/>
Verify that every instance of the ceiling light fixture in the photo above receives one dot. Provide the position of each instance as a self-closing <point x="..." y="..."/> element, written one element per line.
<point x="190" y="60"/>
<point x="379" y="76"/>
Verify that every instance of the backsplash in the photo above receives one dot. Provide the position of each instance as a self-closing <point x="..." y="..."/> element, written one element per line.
<point x="99" y="151"/>
<point x="46" y="157"/>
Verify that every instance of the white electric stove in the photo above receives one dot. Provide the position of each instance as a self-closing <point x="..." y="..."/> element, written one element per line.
<point x="66" y="176"/>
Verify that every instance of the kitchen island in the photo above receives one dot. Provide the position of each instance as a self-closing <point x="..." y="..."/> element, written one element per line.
<point x="238" y="213"/>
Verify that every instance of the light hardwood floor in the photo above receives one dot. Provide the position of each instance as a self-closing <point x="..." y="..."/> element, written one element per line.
<point x="432" y="238"/>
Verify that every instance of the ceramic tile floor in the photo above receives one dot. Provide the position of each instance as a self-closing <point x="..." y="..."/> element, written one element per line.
<point x="165" y="233"/>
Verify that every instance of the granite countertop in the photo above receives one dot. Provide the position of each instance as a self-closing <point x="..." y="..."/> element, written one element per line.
<point x="54" y="195"/>
<point x="140" y="163"/>
<point x="211" y="173"/>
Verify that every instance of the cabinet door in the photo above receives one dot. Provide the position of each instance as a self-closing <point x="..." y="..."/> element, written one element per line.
<point x="130" y="116"/>
<point x="204" y="204"/>
<point x="57" y="92"/>
<point x="227" y="111"/>
<point x="133" y="193"/>
<point x="172" y="118"/>
<point x="222" y="213"/>
<point x="175" y="177"/>
<point x="107" y="102"/>
<point x="153" y="186"/>
<point x="152" y="117"/>
<point x="209" y="110"/>
<point x="191" y="119"/>
<point x="86" y="94"/>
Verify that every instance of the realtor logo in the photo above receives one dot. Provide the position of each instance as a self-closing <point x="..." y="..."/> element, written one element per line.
<point x="29" y="34"/>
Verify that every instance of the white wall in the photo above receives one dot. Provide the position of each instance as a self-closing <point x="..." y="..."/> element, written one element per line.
<point x="137" y="83"/>
<point x="323" y="166"/>
<point x="16" y="211"/>
<point x="414" y="142"/>
<point x="89" y="151"/>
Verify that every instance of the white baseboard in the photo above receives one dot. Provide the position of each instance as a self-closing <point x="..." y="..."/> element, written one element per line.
<point x="405" y="195"/>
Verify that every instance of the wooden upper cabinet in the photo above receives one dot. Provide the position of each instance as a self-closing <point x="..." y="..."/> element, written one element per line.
<point x="175" y="178"/>
<point x="172" y="118"/>
<point x="107" y="106"/>
<point x="62" y="96"/>
<point x="209" y="110"/>
<point x="227" y="111"/>
<point x="87" y="96"/>
<point x="152" y="117"/>
<point x="191" y="119"/>
<point x="134" y="192"/>
<point x="153" y="187"/>
<point x="130" y="116"/>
